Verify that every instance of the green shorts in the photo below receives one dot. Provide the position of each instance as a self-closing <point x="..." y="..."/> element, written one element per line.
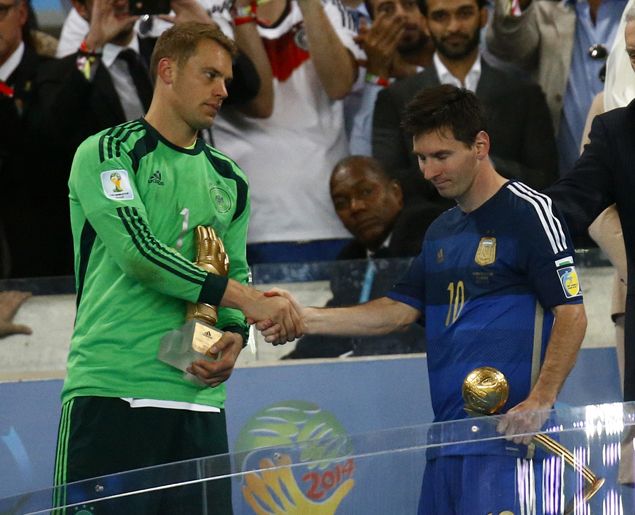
<point x="100" y="436"/>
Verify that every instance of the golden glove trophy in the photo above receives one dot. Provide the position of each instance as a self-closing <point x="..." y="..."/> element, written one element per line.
<point x="485" y="391"/>
<point x="193" y="341"/>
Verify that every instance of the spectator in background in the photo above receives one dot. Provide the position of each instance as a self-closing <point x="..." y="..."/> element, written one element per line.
<point x="19" y="62"/>
<point x="564" y="45"/>
<point x="370" y="205"/>
<point x="10" y="302"/>
<point x="396" y="46"/>
<point x="288" y="157"/>
<point x="523" y="145"/>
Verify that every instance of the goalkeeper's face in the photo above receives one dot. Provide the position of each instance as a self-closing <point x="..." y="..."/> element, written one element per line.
<point x="200" y="85"/>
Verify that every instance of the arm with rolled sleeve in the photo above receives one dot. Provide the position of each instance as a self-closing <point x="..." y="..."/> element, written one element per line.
<point x="329" y="33"/>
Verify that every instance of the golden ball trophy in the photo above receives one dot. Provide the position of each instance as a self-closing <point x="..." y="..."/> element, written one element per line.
<point x="485" y="391"/>
<point x="194" y="340"/>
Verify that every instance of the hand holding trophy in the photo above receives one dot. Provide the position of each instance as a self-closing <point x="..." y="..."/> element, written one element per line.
<point x="179" y="348"/>
<point x="485" y="391"/>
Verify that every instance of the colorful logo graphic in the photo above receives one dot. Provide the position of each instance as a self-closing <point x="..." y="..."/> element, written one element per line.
<point x="570" y="282"/>
<point x="116" y="185"/>
<point x="301" y="455"/>
<point x="115" y="178"/>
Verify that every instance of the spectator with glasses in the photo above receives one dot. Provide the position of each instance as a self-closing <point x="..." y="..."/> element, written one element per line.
<point x="564" y="45"/>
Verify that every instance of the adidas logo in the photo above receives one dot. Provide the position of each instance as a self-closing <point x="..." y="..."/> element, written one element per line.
<point x="155" y="178"/>
<point x="207" y="334"/>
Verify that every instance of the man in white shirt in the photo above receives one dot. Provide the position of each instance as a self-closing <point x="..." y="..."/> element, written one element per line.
<point x="288" y="157"/>
<point x="522" y="133"/>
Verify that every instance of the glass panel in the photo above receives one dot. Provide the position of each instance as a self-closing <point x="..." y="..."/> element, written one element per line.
<point x="588" y="469"/>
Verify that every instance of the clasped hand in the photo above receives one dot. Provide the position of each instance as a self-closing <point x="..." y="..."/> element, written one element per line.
<point x="287" y="321"/>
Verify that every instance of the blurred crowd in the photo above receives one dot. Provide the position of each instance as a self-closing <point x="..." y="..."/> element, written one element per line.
<point x="315" y="81"/>
<point x="313" y="113"/>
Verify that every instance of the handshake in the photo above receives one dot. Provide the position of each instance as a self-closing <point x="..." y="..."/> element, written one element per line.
<point x="278" y="316"/>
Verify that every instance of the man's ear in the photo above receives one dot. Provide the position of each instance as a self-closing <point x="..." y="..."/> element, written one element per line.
<point x="395" y="187"/>
<point x="482" y="144"/>
<point x="166" y="70"/>
<point x="484" y="15"/>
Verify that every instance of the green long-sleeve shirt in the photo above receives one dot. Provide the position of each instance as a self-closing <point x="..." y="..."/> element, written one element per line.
<point x="135" y="201"/>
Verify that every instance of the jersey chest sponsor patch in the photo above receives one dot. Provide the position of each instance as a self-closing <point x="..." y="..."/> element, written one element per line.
<point x="116" y="185"/>
<point x="570" y="282"/>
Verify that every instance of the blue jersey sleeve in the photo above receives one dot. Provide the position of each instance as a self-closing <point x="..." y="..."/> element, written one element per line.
<point x="548" y="251"/>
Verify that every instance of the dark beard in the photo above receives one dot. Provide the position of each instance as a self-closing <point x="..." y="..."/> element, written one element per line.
<point x="457" y="53"/>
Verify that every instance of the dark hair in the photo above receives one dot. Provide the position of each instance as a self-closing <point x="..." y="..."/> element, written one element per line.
<point x="423" y="5"/>
<point x="369" y="163"/>
<point x="445" y="107"/>
<point x="370" y="9"/>
<point x="180" y="41"/>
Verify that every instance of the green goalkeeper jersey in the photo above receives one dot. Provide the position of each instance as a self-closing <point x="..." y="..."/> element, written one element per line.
<point x="135" y="202"/>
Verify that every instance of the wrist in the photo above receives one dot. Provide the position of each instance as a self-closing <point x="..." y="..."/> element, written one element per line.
<point x="245" y="14"/>
<point x="90" y="45"/>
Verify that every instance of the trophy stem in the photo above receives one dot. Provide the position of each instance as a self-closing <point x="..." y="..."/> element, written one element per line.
<point x="550" y="445"/>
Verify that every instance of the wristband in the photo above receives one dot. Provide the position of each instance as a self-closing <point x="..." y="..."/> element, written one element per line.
<point x="376" y="79"/>
<point x="241" y="20"/>
<point x="83" y="48"/>
<point x="245" y="14"/>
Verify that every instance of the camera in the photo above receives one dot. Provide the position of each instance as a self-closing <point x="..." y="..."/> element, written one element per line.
<point x="140" y="7"/>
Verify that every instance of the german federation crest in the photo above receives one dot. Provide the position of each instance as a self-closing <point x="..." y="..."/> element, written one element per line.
<point x="486" y="251"/>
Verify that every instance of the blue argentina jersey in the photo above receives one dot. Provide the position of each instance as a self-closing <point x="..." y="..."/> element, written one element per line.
<point x="485" y="282"/>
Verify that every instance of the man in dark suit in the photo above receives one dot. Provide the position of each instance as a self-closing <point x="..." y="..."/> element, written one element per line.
<point x="19" y="63"/>
<point x="518" y="117"/>
<point x="370" y="205"/>
<point x="602" y="176"/>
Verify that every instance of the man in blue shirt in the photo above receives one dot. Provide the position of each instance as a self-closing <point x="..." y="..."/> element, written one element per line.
<point x="564" y="46"/>
<point x="495" y="285"/>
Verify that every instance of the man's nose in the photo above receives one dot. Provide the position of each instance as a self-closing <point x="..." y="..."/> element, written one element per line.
<point x="430" y="171"/>
<point x="357" y="204"/>
<point x="220" y="88"/>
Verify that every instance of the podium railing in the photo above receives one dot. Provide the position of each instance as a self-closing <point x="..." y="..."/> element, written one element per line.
<point x="315" y="468"/>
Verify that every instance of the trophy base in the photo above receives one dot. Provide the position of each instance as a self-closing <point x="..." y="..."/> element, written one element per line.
<point x="179" y="348"/>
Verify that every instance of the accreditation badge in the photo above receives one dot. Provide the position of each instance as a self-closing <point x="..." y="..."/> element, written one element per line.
<point x="486" y="251"/>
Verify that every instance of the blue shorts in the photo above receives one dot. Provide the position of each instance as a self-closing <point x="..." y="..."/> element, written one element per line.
<point x="481" y="485"/>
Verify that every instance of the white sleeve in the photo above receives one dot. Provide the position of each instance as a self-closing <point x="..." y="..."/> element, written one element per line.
<point x="73" y="33"/>
<point x="361" y="134"/>
<point x="344" y="26"/>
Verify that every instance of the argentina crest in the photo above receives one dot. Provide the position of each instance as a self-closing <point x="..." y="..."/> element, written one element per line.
<point x="486" y="251"/>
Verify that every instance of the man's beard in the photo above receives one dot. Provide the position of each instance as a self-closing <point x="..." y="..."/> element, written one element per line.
<point x="460" y="52"/>
<point x="413" y="45"/>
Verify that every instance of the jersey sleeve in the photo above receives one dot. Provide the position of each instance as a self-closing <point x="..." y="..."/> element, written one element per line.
<point x="547" y="251"/>
<point x="235" y="242"/>
<point x="106" y="190"/>
<point x="343" y="24"/>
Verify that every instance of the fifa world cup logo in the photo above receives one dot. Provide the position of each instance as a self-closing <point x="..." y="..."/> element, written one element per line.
<point x="115" y="178"/>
